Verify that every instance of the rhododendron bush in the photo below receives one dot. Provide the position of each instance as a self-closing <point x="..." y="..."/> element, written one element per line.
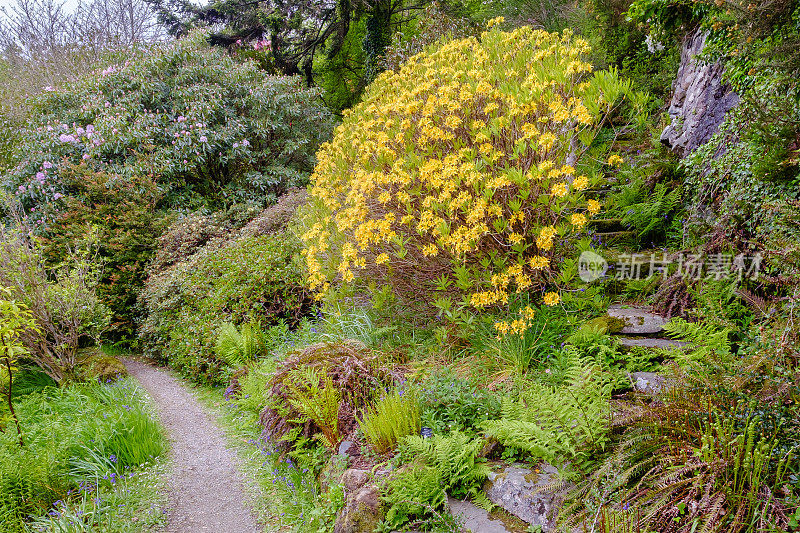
<point x="180" y="127"/>
<point x="206" y="128"/>
<point x="460" y="178"/>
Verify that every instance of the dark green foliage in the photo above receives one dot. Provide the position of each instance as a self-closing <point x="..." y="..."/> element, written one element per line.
<point x="125" y="219"/>
<point x="566" y="423"/>
<point x="451" y="403"/>
<point x="75" y="436"/>
<point x="253" y="278"/>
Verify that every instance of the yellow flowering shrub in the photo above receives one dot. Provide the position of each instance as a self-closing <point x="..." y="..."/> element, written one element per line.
<point x="459" y="178"/>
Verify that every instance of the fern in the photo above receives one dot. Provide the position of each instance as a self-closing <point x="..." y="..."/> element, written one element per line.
<point x="237" y="348"/>
<point x="650" y="214"/>
<point x="392" y="417"/>
<point x="455" y="457"/>
<point x="444" y="464"/>
<point x="566" y="423"/>
<point x="707" y="340"/>
<point x="317" y="399"/>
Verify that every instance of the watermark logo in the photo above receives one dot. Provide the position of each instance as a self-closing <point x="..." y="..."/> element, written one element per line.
<point x="592" y="266"/>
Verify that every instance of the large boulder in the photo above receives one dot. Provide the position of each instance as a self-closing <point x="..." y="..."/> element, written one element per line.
<point x="524" y="493"/>
<point x="700" y="98"/>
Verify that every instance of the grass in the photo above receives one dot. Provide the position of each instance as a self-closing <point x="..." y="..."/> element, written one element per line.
<point x="84" y="447"/>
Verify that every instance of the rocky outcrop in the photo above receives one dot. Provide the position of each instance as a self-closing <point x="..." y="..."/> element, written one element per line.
<point x="361" y="512"/>
<point x="699" y="101"/>
<point x="524" y="493"/>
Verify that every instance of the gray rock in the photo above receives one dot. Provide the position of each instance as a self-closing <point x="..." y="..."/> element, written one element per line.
<point x="473" y="518"/>
<point x="648" y="382"/>
<point x="659" y="344"/>
<point x="638" y="320"/>
<point x="519" y="491"/>
<point x="700" y="99"/>
<point x="345" y="446"/>
<point x="361" y="512"/>
<point x="355" y="478"/>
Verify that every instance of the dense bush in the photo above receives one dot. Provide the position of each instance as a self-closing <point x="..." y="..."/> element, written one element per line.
<point x="76" y="438"/>
<point x="459" y="179"/>
<point x="180" y="126"/>
<point x="249" y="279"/>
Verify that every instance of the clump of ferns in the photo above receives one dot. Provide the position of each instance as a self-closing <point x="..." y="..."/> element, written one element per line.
<point x="708" y="455"/>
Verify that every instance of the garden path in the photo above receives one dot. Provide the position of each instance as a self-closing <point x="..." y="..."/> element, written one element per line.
<point x="206" y="493"/>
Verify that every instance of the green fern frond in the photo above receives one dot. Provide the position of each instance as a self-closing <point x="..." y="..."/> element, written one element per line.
<point x="237" y="348"/>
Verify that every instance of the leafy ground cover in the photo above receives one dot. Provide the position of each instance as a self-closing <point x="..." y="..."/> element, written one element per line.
<point x="90" y="459"/>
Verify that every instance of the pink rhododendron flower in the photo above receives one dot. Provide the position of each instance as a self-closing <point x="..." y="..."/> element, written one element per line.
<point x="203" y="139"/>
<point x="40" y="176"/>
<point x="64" y="138"/>
<point x="47" y="164"/>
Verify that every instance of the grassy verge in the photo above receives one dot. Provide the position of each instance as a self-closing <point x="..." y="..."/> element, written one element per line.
<point x="89" y="460"/>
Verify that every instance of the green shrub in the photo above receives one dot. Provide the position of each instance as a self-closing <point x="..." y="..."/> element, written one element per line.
<point x="394" y="416"/>
<point x="416" y="496"/>
<point x="76" y="437"/>
<point x="62" y="300"/>
<point x="451" y="403"/>
<point x="249" y="279"/>
<point x="561" y="424"/>
<point x="179" y="126"/>
<point x="238" y="346"/>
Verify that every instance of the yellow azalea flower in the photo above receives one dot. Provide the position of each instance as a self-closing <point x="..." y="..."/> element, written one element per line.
<point x="580" y="183"/>
<point x="495" y="21"/>
<point x="614" y="160"/>
<point x="559" y="190"/>
<point x="593" y="206"/>
<point x="578" y="220"/>
<point x="551" y="299"/>
<point x="430" y="250"/>
<point x="501" y="327"/>
<point x="382" y="258"/>
<point x="528" y="312"/>
<point x="537" y="262"/>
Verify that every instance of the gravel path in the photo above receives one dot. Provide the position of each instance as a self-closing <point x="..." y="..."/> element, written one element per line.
<point x="206" y="492"/>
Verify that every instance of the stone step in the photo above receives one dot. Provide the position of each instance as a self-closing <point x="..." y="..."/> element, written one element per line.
<point x="473" y="518"/>
<point x="616" y="238"/>
<point x="638" y="320"/>
<point x="649" y="342"/>
<point x="648" y="382"/>
<point x="607" y="225"/>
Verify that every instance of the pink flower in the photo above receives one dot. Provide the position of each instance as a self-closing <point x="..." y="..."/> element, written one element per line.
<point x="64" y="138"/>
<point x="203" y="139"/>
<point x="58" y="196"/>
<point x="89" y="128"/>
<point x="40" y="176"/>
<point x="47" y="164"/>
<point x="181" y="119"/>
<point x="245" y="143"/>
<point x="22" y="188"/>
<point x="86" y="156"/>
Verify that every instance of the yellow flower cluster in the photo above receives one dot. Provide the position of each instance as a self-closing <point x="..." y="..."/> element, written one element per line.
<point x="459" y="172"/>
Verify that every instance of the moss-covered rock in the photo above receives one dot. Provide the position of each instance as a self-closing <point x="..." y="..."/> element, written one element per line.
<point x="361" y="513"/>
<point x="95" y="365"/>
<point x="604" y="324"/>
